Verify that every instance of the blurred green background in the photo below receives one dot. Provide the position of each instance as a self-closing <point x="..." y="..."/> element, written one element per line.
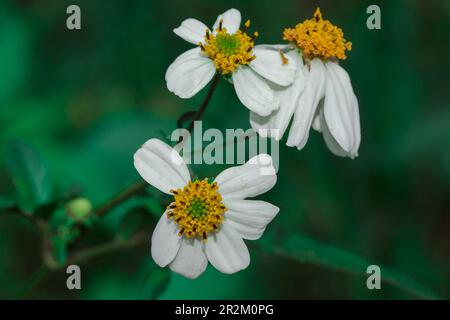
<point x="76" y="105"/>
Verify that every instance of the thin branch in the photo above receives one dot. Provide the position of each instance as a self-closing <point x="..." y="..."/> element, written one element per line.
<point x="140" y="186"/>
<point x="135" y="189"/>
<point x="116" y="245"/>
<point x="49" y="265"/>
<point x="37" y="278"/>
<point x="120" y="198"/>
<point x="205" y="103"/>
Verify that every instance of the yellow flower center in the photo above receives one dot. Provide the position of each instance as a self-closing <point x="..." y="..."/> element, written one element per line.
<point x="197" y="209"/>
<point x="318" y="38"/>
<point x="228" y="51"/>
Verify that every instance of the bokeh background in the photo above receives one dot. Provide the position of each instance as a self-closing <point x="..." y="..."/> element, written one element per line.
<point x="75" y="105"/>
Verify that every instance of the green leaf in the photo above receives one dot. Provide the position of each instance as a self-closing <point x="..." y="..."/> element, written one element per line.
<point x="14" y="52"/>
<point x="30" y="176"/>
<point x="59" y="250"/>
<point x="46" y="210"/>
<point x="155" y="284"/>
<point x="136" y="220"/>
<point x="308" y="251"/>
<point x="6" y="203"/>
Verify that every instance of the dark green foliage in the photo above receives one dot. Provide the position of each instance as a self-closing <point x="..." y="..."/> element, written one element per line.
<point x="78" y="104"/>
<point x="29" y="175"/>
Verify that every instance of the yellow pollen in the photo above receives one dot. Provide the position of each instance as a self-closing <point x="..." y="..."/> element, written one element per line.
<point x="318" y="38"/>
<point x="228" y="51"/>
<point x="197" y="209"/>
<point x="284" y="60"/>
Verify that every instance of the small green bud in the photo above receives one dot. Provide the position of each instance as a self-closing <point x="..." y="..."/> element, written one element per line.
<point x="79" y="209"/>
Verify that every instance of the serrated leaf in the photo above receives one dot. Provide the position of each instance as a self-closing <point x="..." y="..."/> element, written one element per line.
<point x="30" y="176"/>
<point x="308" y="251"/>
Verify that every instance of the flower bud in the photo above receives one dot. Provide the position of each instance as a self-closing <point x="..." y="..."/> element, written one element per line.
<point x="79" y="209"/>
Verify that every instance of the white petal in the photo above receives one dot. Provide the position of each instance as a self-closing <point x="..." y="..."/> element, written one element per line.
<point x="269" y="64"/>
<point x="253" y="91"/>
<point x="165" y="241"/>
<point x="277" y="122"/>
<point x="191" y="259"/>
<point x="341" y="109"/>
<point x="161" y="166"/>
<point x="316" y="125"/>
<point x="227" y="251"/>
<point x="253" y="178"/>
<point x="264" y="125"/>
<point x="244" y="230"/>
<point x="189" y="73"/>
<point x="249" y="217"/>
<point x="231" y="20"/>
<point x="356" y="127"/>
<point x="304" y="114"/>
<point x="192" y="31"/>
<point x="331" y="143"/>
<point x="284" y="47"/>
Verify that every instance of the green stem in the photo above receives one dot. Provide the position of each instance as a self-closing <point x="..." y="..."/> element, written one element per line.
<point x="197" y="116"/>
<point x="139" y="186"/>
<point x="133" y="190"/>
<point x="43" y="272"/>
<point x="38" y="277"/>
<point x="117" y="245"/>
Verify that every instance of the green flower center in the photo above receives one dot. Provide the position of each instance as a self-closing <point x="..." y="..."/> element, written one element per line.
<point x="228" y="51"/>
<point x="198" y="209"/>
<point x="228" y="44"/>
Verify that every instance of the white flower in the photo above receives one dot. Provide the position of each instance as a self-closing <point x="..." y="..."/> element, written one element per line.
<point x="231" y="52"/>
<point x="322" y="96"/>
<point x="337" y="116"/>
<point x="207" y="220"/>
